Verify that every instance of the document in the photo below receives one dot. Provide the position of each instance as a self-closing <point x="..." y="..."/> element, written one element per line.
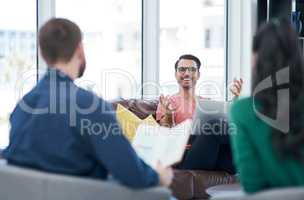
<point x="157" y="143"/>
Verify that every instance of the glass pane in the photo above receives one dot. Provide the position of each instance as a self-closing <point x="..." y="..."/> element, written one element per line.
<point x="17" y="56"/>
<point x="193" y="27"/>
<point x="112" y="42"/>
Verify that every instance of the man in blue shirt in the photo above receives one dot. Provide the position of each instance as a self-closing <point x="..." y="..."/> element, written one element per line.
<point x="61" y="128"/>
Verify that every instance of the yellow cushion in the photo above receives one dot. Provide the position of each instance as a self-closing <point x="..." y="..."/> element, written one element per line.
<point x="129" y="121"/>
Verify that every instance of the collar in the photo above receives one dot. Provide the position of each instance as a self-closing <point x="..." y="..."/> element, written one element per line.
<point x="57" y="74"/>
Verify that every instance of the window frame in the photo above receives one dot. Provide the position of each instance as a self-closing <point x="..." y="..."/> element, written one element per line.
<point x="45" y="11"/>
<point x="151" y="27"/>
<point x="39" y="16"/>
<point x="240" y="23"/>
<point x="150" y="43"/>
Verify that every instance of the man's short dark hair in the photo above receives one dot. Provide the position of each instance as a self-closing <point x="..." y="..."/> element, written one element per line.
<point x="189" y="57"/>
<point x="58" y="40"/>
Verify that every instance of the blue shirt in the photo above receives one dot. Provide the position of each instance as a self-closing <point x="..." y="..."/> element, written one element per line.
<point x="61" y="128"/>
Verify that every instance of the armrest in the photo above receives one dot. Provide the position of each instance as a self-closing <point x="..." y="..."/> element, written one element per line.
<point x="106" y="190"/>
<point x="37" y="185"/>
<point x="293" y="193"/>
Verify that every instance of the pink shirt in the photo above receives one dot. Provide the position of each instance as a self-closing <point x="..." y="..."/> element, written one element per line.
<point x="184" y="109"/>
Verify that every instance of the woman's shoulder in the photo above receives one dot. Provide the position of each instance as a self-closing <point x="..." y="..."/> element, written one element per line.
<point x="243" y="103"/>
<point x="243" y="108"/>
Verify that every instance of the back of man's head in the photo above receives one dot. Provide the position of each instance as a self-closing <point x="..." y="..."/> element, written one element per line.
<point x="58" y="40"/>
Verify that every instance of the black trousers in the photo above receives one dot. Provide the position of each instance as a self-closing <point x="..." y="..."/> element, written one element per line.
<point x="209" y="151"/>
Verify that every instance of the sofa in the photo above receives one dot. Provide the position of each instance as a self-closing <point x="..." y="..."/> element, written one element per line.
<point x="19" y="183"/>
<point x="187" y="184"/>
<point x="290" y="193"/>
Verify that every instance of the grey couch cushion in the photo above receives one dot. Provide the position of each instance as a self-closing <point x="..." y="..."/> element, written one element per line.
<point x="275" y="194"/>
<point x="19" y="184"/>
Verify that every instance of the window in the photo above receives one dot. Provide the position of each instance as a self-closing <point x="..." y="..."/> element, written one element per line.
<point x="17" y="56"/>
<point x="112" y="42"/>
<point x="196" y="27"/>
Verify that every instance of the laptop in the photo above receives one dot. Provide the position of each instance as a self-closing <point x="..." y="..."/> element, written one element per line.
<point x="209" y="112"/>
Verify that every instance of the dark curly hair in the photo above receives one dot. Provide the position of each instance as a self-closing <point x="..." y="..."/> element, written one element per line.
<point x="188" y="57"/>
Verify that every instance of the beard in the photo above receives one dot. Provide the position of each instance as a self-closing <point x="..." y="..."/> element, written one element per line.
<point x="82" y="69"/>
<point x="186" y="86"/>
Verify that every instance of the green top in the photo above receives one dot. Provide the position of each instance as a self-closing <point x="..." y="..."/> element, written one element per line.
<point x="256" y="161"/>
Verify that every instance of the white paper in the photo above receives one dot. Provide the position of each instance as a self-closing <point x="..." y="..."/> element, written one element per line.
<point x="156" y="143"/>
<point x="225" y="191"/>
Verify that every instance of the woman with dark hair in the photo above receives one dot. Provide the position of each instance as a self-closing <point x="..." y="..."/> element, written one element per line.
<point x="268" y="144"/>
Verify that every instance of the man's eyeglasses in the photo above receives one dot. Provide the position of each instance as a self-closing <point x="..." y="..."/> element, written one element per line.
<point x="184" y="69"/>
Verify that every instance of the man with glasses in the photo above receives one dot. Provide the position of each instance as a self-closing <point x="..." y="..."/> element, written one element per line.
<point x="175" y="109"/>
<point x="204" y="152"/>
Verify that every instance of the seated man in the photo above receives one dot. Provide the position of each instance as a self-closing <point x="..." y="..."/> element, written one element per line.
<point x="174" y="109"/>
<point x="207" y="151"/>
<point x="61" y="128"/>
